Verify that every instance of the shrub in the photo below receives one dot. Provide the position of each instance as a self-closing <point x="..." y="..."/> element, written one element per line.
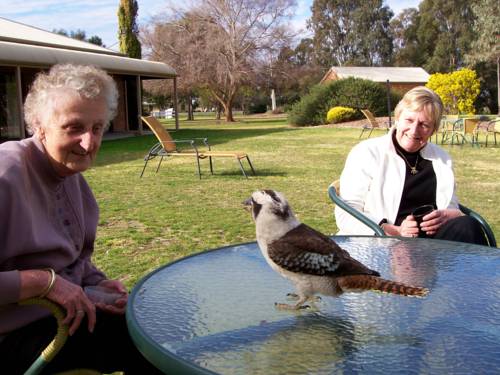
<point x="458" y="90"/>
<point x="340" y="114"/>
<point x="350" y="92"/>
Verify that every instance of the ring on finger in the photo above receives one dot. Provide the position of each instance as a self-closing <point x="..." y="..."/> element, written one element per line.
<point x="80" y="312"/>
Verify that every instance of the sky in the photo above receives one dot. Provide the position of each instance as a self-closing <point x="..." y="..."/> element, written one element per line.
<point x="98" y="17"/>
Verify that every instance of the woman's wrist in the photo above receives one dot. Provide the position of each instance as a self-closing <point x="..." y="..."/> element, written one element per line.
<point x="50" y="284"/>
<point x="34" y="283"/>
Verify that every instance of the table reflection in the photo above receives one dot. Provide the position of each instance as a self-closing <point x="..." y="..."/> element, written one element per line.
<point x="214" y="312"/>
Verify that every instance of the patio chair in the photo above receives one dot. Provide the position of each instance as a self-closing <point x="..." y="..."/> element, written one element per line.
<point x="446" y="127"/>
<point x="372" y="123"/>
<point x="466" y="131"/>
<point x="333" y="193"/>
<point x="493" y="127"/>
<point x="167" y="147"/>
<point x="57" y="343"/>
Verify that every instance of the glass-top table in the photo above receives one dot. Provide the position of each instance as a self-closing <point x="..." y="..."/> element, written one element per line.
<point x="214" y="313"/>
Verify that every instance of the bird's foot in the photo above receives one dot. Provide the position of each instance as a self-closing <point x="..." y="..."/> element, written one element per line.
<point x="285" y="306"/>
<point x="314" y="299"/>
<point x="292" y="296"/>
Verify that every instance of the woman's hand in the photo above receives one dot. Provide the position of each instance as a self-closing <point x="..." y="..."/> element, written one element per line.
<point x="408" y="228"/>
<point x="75" y="302"/>
<point x="121" y="303"/>
<point x="433" y="221"/>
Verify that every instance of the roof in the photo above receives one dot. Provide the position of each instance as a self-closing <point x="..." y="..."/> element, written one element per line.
<point x="29" y="46"/>
<point x="379" y="74"/>
<point x="20" y="33"/>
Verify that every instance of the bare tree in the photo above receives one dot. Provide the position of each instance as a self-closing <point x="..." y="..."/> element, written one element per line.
<point x="216" y="44"/>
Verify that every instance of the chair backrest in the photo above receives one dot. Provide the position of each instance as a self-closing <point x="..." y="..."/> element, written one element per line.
<point x="161" y="133"/>
<point x="370" y="117"/>
<point x="470" y="125"/>
<point x="496" y="126"/>
<point x="334" y="194"/>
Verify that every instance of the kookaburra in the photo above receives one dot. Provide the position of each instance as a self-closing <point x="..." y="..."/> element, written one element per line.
<point x="308" y="258"/>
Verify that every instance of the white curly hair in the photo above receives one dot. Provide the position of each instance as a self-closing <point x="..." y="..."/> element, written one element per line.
<point x="88" y="81"/>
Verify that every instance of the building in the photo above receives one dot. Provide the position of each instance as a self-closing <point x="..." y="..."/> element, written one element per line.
<point x="400" y="79"/>
<point x="26" y="50"/>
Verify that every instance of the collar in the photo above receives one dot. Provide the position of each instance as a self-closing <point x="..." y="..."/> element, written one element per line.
<point x="43" y="165"/>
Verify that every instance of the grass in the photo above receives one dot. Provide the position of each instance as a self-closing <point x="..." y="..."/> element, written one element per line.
<point x="148" y="222"/>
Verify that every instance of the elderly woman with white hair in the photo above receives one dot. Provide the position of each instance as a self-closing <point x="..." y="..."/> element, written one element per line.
<point x="389" y="177"/>
<point x="48" y="227"/>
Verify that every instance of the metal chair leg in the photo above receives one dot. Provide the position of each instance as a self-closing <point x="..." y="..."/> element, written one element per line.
<point x="144" y="168"/>
<point x="158" y="167"/>
<point x="211" y="165"/>
<point x="241" y="167"/>
<point x="199" y="169"/>
<point x="250" y="164"/>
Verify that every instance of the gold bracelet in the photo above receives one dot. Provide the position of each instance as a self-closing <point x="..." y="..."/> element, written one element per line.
<point x="51" y="283"/>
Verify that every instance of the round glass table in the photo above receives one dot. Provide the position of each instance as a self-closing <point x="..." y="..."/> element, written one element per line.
<point x="214" y="313"/>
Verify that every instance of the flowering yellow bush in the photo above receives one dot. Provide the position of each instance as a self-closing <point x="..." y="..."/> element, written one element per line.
<point x="458" y="90"/>
<point x="339" y="114"/>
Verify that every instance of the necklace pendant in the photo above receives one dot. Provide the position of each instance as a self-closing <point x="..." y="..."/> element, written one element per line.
<point x="413" y="170"/>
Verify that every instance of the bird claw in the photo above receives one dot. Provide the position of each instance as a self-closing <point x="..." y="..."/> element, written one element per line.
<point x="292" y="296"/>
<point x="285" y="306"/>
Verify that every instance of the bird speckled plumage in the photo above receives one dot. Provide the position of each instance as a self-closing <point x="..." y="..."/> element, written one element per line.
<point x="308" y="258"/>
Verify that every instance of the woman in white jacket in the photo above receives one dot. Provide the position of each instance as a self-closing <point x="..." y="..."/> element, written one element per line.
<point x="388" y="177"/>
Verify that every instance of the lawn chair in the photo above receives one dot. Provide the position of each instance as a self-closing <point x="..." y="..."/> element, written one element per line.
<point x="493" y="127"/>
<point x="446" y="128"/>
<point x="466" y="130"/>
<point x="167" y="147"/>
<point x="57" y="343"/>
<point x="333" y="193"/>
<point x="372" y="123"/>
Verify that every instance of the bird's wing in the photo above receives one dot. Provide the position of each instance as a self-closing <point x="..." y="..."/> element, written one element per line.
<point x="308" y="251"/>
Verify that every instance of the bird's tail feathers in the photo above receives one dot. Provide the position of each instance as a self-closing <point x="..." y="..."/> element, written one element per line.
<point x="368" y="282"/>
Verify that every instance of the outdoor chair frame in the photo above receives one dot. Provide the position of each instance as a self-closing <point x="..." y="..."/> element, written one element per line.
<point x="372" y="123"/>
<point x="167" y="147"/>
<point x="335" y="197"/>
<point x="57" y="342"/>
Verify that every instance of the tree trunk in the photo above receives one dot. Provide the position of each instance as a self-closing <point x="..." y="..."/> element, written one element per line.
<point x="228" y="111"/>
<point x="498" y="84"/>
<point x="190" y="109"/>
<point x="218" y="111"/>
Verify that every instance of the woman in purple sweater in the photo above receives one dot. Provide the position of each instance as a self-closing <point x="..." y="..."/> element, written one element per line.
<point x="48" y="225"/>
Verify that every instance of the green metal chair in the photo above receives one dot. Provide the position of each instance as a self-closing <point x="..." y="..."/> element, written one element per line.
<point x="335" y="197"/>
<point x="57" y="343"/>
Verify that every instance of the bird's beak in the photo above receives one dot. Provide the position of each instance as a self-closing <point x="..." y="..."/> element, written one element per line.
<point x="247" y="204"/>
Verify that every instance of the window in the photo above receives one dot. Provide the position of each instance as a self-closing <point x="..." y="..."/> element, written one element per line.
<point x="10" y="122"/>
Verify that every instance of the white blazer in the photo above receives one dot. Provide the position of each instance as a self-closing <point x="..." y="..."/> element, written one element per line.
<point x="373" y="178"/>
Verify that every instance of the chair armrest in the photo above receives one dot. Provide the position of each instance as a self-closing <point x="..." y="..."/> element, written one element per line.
<point x="332" y="192"/>
<point x="60" y="338"/>
<point x="484" y="224"/>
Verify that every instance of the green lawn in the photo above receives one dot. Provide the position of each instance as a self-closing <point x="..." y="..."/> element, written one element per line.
<point x="148" y="222"/>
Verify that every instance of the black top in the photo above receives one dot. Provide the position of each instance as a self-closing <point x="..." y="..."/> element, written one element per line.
<point x="419" y="188"/>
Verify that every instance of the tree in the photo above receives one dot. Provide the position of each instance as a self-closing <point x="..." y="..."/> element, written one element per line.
<point x="458" y="90"/>
<point x="79" y="35"/>
<point x="486" y="47"/>
<point x="221" y="41"/>
<point x="404" y="27"/>
<point x="95" y="40"/>
<point x="127" y="29"/>
<point x="351" y="32"/>
<point x="445" y="33"/>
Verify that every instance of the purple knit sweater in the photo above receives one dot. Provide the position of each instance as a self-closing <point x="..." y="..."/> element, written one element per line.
<point x="45" y="221"/>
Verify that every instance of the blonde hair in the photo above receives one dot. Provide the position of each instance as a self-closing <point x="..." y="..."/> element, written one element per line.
<point x="87" y="81"/>
<point x="421" y="98"/>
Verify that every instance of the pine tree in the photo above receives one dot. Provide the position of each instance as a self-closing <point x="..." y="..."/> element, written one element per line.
<point x="127" y="29"/>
